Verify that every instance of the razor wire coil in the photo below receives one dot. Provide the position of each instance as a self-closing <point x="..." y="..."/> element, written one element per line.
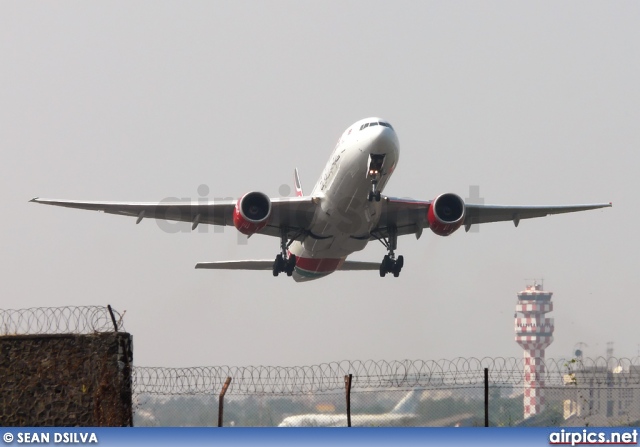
<point x="327" y="377"/>
<point x="59" y="320"/>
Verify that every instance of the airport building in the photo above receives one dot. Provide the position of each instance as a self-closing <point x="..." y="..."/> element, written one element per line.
<point x="601" y="395"/>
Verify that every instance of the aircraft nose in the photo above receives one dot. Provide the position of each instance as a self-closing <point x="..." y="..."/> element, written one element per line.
<point x="383" y="140"/>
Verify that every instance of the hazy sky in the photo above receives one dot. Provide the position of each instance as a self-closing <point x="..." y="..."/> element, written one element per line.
<point x="535" y="102"/>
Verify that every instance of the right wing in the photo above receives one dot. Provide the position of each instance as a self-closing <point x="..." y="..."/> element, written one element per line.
<point x="294" y="214"/>
<point x="410" y="216"/>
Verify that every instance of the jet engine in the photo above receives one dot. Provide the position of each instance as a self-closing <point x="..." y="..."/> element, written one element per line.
<point x="251" y="213"/>
<point x="446" y="214"/>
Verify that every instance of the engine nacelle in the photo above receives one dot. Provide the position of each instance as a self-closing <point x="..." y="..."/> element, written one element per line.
<point x="252" y="213"/>
<point x="446" y="214"/>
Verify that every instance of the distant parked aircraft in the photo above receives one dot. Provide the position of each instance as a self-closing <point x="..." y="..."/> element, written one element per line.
<point x="343" y="213"/>
<point x="404" y="412"/>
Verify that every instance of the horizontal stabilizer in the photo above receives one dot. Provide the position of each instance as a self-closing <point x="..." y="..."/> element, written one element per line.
<point x="236" y="265"/>
<point x="261" y="264"/>
<point x="357" y="265"/>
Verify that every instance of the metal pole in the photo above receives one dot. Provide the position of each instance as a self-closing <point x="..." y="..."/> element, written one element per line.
<point x="347" y="386"/>
<point x="221" y="400"/>
<point x="486" y="397"/>
<point x="113" y="318"/>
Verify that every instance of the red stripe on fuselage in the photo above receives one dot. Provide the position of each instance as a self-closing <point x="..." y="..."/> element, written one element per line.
<point x="319" y="265"/>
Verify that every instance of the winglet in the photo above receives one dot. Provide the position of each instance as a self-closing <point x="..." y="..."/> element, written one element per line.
<point x="35" y="199"/>
<point x="296" y="182"/>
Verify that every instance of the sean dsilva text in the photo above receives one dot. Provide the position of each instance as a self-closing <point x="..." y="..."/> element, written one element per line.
<point x="58" y="438"/>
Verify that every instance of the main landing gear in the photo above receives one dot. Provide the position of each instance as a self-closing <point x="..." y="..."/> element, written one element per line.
<point x="284" y="263"/>
<point x="389" y="263"/>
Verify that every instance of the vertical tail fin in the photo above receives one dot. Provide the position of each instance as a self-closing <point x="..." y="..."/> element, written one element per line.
<point x="409" y="403"/>
<point x="296" y="182"/>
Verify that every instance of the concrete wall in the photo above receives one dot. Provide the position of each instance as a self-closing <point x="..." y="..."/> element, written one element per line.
<point x="66" y="380"/>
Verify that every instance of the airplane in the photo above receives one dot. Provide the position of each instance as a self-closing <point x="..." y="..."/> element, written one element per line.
<point x="344" y="212"/>
<point x="403" y="413"/>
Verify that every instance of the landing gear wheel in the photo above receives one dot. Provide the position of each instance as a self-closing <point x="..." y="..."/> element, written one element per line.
<point x="370" y="196"/>
<point x="291" y="265"/>
<point x="278" y="265"/>
<point x="285" y="262"/>
<point x="387" y="263"/>
<point x="376" y="195"/>
<point x="390" y="265"/>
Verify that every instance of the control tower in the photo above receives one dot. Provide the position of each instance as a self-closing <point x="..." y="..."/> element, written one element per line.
<point x="534" y="333"/>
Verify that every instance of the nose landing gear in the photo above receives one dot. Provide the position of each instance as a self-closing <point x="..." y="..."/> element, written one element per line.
<point x="374" y="194"/>
<point x="375" y="171"/>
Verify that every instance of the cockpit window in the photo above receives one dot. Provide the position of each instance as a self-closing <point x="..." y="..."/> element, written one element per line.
<point x="381" y="123"/>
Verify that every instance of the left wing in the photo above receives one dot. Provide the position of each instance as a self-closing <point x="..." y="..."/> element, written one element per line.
<point x="410" y="216"/>
<point x="293" y="213"/>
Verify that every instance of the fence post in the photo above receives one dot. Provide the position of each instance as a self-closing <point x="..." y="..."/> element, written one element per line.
<point x="486" y="397"/>
<point x="347" y="387"/>
<point x="221" y="400"/>
<point x="113" y="318"/>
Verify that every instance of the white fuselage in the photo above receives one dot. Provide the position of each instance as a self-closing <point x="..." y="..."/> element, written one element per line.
<point x="340" y="420"/>
<point x="345" y="217"/>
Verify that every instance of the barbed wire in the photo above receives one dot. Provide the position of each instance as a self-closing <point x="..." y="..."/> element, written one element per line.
<point x="326" y="377"/>
<point x="59" y="320"/>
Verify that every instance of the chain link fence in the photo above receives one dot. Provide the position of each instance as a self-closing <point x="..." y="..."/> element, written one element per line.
<point x="66" y="365"/>
<point x="399" y="393"/>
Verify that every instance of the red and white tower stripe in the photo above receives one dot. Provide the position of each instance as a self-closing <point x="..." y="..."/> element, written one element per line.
<point x="534" y="333"/>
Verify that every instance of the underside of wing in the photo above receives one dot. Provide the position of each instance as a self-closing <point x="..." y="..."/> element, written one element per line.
<point x="405" y="216"/>
<point x="477" y="214"/>
<point x="219" y="212"/>
<point x="408" y="216"/>
<point x="294" y="214"/>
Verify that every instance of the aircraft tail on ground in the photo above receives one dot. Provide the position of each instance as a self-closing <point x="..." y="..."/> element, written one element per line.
<point x="409" y="404"/>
